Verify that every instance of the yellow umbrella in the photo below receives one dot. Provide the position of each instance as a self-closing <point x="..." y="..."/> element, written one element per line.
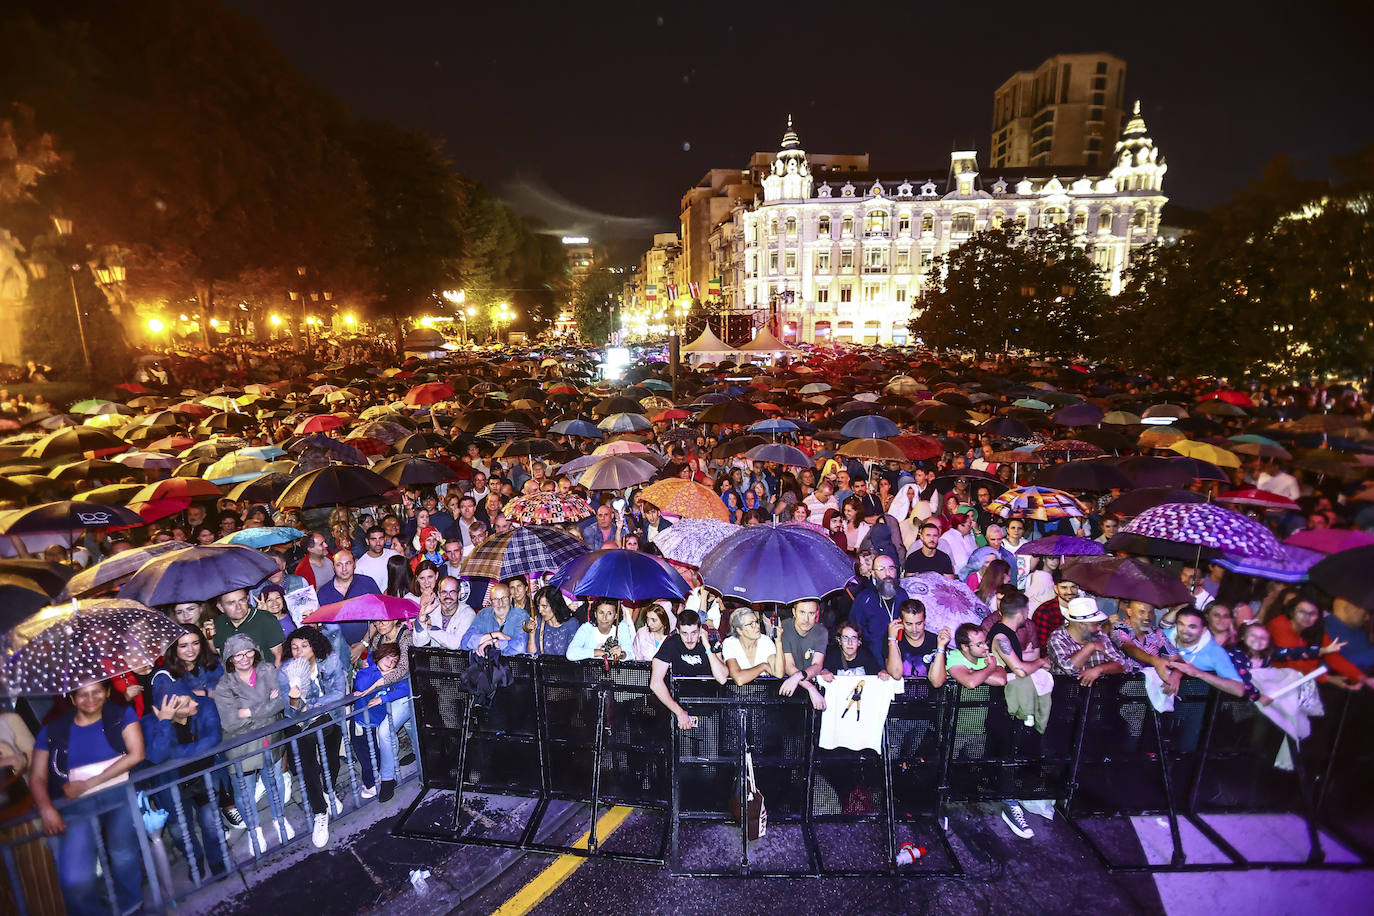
<point x="1205" y="451"/>
<point x="1159" y="438"/>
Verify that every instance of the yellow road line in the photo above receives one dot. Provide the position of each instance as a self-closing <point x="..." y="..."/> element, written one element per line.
<point x="548" y="880"/>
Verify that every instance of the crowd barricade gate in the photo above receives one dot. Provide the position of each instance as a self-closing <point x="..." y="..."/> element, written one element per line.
<point x="580" y="732"/>
<point x="811" y="794"/>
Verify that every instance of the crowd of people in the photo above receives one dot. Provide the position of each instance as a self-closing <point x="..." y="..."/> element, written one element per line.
<point x="249" y="658"/>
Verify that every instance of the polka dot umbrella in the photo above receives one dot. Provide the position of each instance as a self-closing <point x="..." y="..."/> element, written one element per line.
<point x="66" y="646"/>
<point x="1207" y="525"/>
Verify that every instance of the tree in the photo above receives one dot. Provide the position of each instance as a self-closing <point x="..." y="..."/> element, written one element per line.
<point x="596" y="305"/>
<point x="1037" y="290"/>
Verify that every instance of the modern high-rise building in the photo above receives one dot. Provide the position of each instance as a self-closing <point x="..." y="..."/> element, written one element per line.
<point x="1066" y="112"/>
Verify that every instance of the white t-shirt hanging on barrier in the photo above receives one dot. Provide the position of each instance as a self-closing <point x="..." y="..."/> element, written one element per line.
<point x="856" y="710"/>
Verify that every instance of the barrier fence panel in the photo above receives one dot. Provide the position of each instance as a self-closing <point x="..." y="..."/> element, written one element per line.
<point x="578" y="732"/>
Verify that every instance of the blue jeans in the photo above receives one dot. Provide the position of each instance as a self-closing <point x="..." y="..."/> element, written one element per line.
<point x="75" y="852"/>
<point x="207" y="819"/>
<point x="399" y="715"/>
<point x="244" y="794"/>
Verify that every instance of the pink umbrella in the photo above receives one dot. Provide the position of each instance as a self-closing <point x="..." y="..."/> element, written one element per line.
<point x="365" y="607"/>
<point x="1329" y="540"/>
<point x="1252" y="496"/>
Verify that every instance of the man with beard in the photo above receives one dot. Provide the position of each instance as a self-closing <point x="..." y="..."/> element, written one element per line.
<point x="876" y="607"/>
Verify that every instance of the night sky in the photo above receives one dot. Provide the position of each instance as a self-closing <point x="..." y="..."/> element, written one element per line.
<point x="597" y="117"/>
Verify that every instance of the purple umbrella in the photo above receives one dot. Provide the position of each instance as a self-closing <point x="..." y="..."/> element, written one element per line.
<point x="1137" y="501"/>
<point x="776" y="563"/>
<point x="1207" y="525"/>
<point x="1293" y="568"/>
<point x="1078" y="415"/>
<point x="948" y="602"/>
<point x="786" y="455"/>
<point x="628" y="575"/>
<point x="1060" y="545"/>
<point x="1129" y="578"/>
<point x="1150" y="471"/>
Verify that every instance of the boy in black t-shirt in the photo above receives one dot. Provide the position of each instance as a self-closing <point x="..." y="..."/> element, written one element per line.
<point x="685" y="654"/>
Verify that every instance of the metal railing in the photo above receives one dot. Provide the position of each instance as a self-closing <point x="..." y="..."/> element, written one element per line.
<point x="192" y="848"/>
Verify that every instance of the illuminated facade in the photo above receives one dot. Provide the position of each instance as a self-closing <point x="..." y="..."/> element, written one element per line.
<point x="843" y="261"/>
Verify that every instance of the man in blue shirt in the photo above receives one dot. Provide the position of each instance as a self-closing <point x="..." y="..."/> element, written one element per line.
<point x="499" y="624"/>
<point x="346" y="585"/>
<point x="1346" y="622"/>
<point x="875" y="608"/>
<point x="1200" y="655"/>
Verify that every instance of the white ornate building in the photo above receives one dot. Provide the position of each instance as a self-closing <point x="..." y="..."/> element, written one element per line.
<point x="843" y="259"/>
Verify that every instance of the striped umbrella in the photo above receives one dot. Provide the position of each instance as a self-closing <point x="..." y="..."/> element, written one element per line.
<point x="685" y="498"/>
<point x="547" y="509"/>
<point x="523" y="551"/>
<point x="504" y="431"/>
<point x="1039" y="503"/>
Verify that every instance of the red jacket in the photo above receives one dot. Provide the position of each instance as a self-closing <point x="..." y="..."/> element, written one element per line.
<point x="1285" y="637"/>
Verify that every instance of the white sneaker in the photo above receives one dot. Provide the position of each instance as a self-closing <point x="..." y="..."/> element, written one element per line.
<point x="1016" y="820"/>
<point x="368" y="791"/>
<point x="285" y="788"/>
<point x="261" y="838"/>
<point x="320" y="835"/>
<point x="285" y="832"/>
<point x="259" y="791"/>
<point x="335" y="805"/>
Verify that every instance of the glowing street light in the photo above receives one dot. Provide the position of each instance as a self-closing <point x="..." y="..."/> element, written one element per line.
<point x="350" y="319"/>
<point x="155" y="325"/>
<point x="275" y="320"/>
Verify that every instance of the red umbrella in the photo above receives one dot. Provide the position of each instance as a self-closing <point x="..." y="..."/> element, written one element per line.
<point x="320" y="423"/>
<point x="674" y="413"/>
<point x="176" y="488"/>
<point x="365" y="607"/>
<point x="194" y="408"/>
<point x="157" y="509"/>
<point x="1251" y="496"/>
<point x="1239" y="398"/>
<point x="170" y="444"/>
<point x="918" y="448"/>
<point x="429" y="393"/>
<point x="134" y="388"/>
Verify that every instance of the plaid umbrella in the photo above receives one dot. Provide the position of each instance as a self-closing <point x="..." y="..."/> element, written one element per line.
<point x="547" y="509"/>
<point x="948" y="602"/>
<point x="523" y="551"/>
<point x="688" y="540"/>
<point x="115" y="568"/>
<point x="1207" y="525"/>
<point x="685" y="498"/>
<point x="1039" y="503"/>
<point x="67" y="646"/>
<point x="1061" y="545"/>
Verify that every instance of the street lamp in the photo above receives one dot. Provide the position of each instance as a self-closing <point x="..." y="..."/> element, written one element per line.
<point x="501" y="315"/>
<point x="64" y="229"/>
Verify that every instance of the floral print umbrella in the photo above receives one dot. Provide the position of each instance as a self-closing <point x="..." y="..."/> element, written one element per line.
<point x="948" y="602"/>
<point x="547" y="509"/>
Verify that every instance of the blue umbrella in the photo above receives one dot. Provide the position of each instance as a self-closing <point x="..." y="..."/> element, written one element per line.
<point x="627" y="575"/>
<point x="1079" y="415"/>
<point x="787" y="455"/>
<point x="265" y="452"/>
<point x="1294" y="567"/>
<point x="335" y="448"/>
<point x="777" y="563"/>
<point x="774" y="426"/>
<point x="197" y="574"/>
<point x="258" y="538"/>
<point x="576" y="428"/>
<point x="869" y="427"/>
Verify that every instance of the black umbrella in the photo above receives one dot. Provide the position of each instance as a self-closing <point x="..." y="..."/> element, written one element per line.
<point x="416" y="471"/>
<point x="1199" y="469"/>
<point x="1129" y="542"/>
<point x="526" y="447"/>
<point x="1097" y="476"/>
<point x="1132" y="504"/>
<point x="737" y="446"/>
<point x="262" y="489"/>
<point x="197" y="574"/>
<point x="1130" y="578"/>
<point x="336" y="449"/>
<point x="50" y="577"/>
<point x="68" y="515"/>
<point x="119" y="566"/>
<point x="335" y="485"/>
<point x="1005" y="428"/>
<point x="74" y="439"/>
<point x="422" y="442"/>
<point x="1347" y="575"/>
<point x="1149" y="471"/>
<point x="736" y="412"/>
<point x="19" y="597"/>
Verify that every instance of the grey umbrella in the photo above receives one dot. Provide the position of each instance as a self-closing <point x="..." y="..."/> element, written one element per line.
<point x="115" y="568"/>
<point x="197" y="574"/>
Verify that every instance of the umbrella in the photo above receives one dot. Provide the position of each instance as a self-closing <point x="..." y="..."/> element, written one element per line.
<point x="235" y="467"/>
<point x="1137" y="501"/>
<point x="948" y="602"/>
<point x="627" y="575"/>
<point x="1130" y="578"/>
<point x="773" y="427"/>
<point x="1097" y="476"/>
<point x="504" y="431"/>
<point x="365" y="607"/>
<point x="428" y="393"/>
<point x="176" y="488"/>
<point x="869" y="427"/>
<point x="1150" y="471"/>
<point x="547" y="509"/>
<point x="1346" y="575"/>
<point x="872" y="450"/>
<point x="50" y="577"/>
<point x="417" y="471"/>
<point x="1330" y="540"/>
<point x="686" y="499"/>
<point x="67" y="646"/>
<point x="19" y="597"/>
<point x="67" y="515"/>
<point x="615" y="472"/>
<point x="776" y="563"/>
<point x="625" y="423"/>
<point x="264" y="536"/>
<point x="1126" y="542"/>
<point x="263" y="489"/>
<point x="421" y="442"/>
<point x="117" y="567"/>
<point x="736" y="412"/>
<point x="116" y="493"/>
<point x="147" y="461"/>
<point x="75" y="439"/>
<point x="1061" y="545"/>
<point x="197" y="574"/>
<point x="1078" y="415"/>
<point x="1039" y="503"/>
<point x="1260" y="447"/>
<point x="523" y="551"/>
<point x="1004" y="428"/>
<point x="776" y="452"/>
<point x="688" y="540"/>
<point x="1068" y="449"/>
<point x="1252" y="496"/>
<point x="1206" y="525"/>
<point x="1294" y="567"/>
<point x="580" y="428"/>
<point x="335" y="449"/>
<point x="1199" y="469"/>
<point x="91" y="468"/>
<point x="336" y="484"/>
<point x="321" y="423"/>
<point x="918" y="448"/>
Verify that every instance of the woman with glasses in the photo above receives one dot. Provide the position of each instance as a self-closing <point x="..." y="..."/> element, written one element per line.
<point x="748" y="653"/>
<point x="248" y="697"/>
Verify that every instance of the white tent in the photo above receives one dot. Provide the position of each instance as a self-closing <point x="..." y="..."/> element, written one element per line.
<point x="766" y="343"/>
<point x="706" y="346"/>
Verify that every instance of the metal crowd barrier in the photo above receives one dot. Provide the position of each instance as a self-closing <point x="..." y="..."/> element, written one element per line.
<point x="582" y="733"/>
<point x="191" y="850"/>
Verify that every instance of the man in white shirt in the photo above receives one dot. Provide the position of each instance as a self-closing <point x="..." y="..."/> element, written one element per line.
<point x="373" y="563"/>
<point x="448" y="624"/>
<point x="1276" y="480"/>
<point x="479" y="487"/>
<point x="818" y="502"/>
<point x="467" y="515"/>
<point x="959" y="541"/>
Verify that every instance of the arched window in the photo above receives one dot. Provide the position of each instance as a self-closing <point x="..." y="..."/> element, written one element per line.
<point x="998" y="217"/>
<point x="823" y="226"/>
<point x="847" y="226"/>
<point x="875" y="221"/>
<point x="791" y="225"/>
<point x="1080" y="221"/>
<point x="928" y="222"/>
<point x="1055" y="216"/>
<point x="962" y="222"/>
<point x="1138" y="220"/>
<point x="773" y="226"/>
<point x="1104" y="221"/>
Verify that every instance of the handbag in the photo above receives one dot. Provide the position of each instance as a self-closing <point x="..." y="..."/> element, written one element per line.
<point x="753" y="808"/>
